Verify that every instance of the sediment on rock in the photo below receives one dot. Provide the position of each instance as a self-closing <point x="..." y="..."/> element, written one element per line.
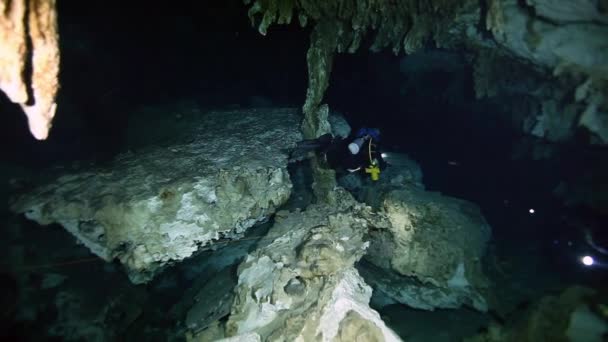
<point x="429" y="255"/>
<point x="161" y="205"/>
<point x="302" y="284"/>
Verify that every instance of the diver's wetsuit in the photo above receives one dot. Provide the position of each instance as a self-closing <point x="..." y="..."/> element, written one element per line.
<point x="340" y="158"/>
<point x="337" y="154"/>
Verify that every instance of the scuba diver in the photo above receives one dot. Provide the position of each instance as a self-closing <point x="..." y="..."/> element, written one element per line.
<point x="356" y="153"/>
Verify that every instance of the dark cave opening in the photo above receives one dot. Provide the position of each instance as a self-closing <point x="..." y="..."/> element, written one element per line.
<point x="427" y="109"/>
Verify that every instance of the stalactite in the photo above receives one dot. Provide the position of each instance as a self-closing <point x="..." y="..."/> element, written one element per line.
<point x="29" y="59"/>
<point x="339" y="26"/>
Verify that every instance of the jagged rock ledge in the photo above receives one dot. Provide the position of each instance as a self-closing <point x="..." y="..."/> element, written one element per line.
<point x="161" y="205"/>
<point x="302" y="284"/>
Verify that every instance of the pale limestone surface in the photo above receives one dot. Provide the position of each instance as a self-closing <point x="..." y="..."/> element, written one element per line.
<point x="161" y="205"/>
<point x="580" y="44"/>
<point x="429" y="255"/>
<point x="302" y="285"/>
<point x="567" y="41"/>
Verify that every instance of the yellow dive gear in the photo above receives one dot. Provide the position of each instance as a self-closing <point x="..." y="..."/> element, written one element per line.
<point x="374" y="172"/>
<point x="373" y="169"/>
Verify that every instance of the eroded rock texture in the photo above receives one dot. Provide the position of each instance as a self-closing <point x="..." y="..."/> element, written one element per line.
<point x="429" y="255"/>
<point x="302" y="285"/>
<point x="563" y="41"/>
<point x="426" y="251"/>
<point x="418" y="248"/>
<point x="163" y="204"/>
<point x="29" y="40"/>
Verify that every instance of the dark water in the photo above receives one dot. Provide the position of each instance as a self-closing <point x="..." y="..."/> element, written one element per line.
<point x="110" y="68"/>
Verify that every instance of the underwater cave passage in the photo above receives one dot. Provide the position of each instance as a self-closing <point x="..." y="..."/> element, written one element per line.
<point x="171" y="154"/>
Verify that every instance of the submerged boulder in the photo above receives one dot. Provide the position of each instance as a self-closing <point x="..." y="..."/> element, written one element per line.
<point x="426" y="250"/>
<point x="301" y="285"/>
<point x="429" y="254"/>
<point x="577" y="314"/>
<point x="162" y="204"/>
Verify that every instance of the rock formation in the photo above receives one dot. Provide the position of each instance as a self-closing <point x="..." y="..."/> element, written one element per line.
<point x="161" y="205"/>
<point x="429" y="255"/>
<point x="29" y="59"/>
<point x="418" y="248"/>
<point x="563" y="41"/>
<point x="426" y="251"/>
<point x="302" y="283"/>
<point x="309" y="277"/>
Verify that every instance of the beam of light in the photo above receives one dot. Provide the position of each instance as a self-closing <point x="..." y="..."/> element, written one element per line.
<point x="591" y="262"/>
<point x="590" y="242"/>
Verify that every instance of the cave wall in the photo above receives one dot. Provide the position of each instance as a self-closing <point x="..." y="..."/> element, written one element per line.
<point x="561" y="41"/>
<point x="549" y="56"/>
<point x="551" y="52"/>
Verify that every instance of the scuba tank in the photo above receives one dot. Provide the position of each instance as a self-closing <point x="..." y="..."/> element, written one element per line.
<point x="363" y="135"/>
